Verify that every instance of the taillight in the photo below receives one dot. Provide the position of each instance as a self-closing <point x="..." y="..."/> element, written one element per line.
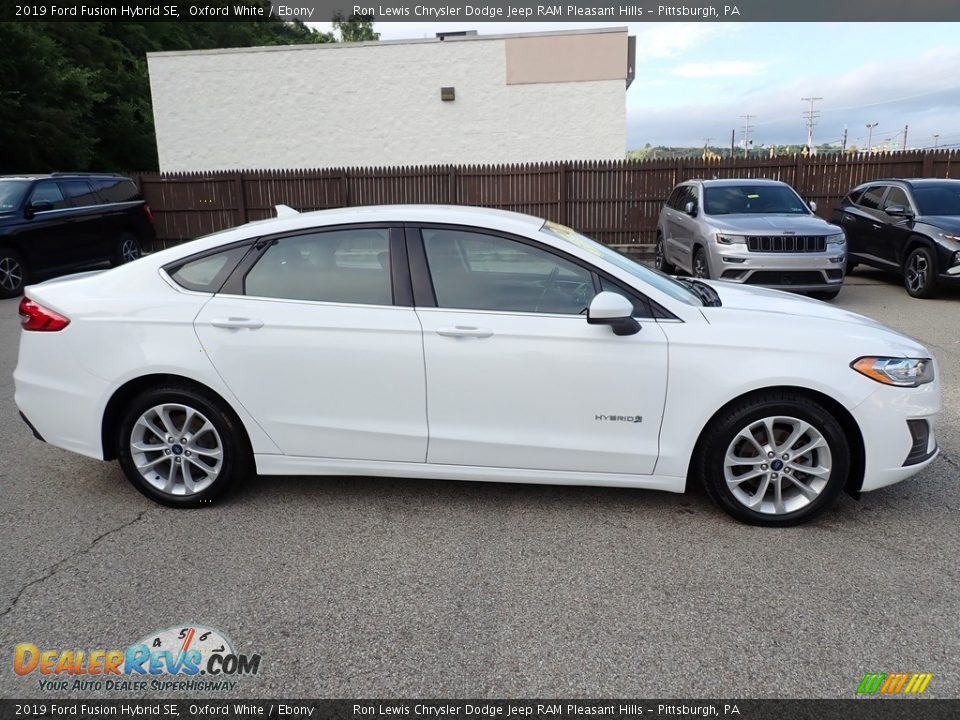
<point x="36" y="317"/>
<point x="148" y="212"/>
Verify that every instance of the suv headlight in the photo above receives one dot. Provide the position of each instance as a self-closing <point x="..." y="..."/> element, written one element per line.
<point x="725" y="239"/>
<point x="838" y="239"/>
<point x="902" y="372"/>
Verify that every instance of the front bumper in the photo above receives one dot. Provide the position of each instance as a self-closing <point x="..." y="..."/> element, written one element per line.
<point x="899" y="433"/>
<point x="784" y="271"/>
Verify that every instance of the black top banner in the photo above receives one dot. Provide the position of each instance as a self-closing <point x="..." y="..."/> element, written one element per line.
<point x="480" y="11"/>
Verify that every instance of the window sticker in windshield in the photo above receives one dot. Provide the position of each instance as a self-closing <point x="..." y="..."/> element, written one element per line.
<point x="573" y="237"/>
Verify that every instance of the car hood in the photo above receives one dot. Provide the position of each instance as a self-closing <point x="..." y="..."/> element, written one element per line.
<point x="950" y="223"/>
<point x="773" y="224"/>
<point x="764" y="309"/>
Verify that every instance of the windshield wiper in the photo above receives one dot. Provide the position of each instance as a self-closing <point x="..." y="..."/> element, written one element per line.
<point x="708" y="296"/>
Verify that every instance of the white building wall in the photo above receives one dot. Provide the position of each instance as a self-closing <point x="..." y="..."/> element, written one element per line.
<point x="322" y="106"/>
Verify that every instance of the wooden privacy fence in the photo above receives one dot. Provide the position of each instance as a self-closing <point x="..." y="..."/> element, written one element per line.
<point x="615" y="202"/>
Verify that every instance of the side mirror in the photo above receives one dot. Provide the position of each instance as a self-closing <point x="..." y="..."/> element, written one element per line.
<point x="898" y="211"/>
<point x="690" y="208"/>
<point x="608" y="308"/>
<point x="813" y="205"/>
<point x="35" y="207"/>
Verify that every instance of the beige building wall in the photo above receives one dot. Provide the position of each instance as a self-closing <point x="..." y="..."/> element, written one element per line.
<point x="379" y="103"/>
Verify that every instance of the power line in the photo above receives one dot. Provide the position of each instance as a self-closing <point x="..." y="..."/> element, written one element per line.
<point x="811" y="115"/>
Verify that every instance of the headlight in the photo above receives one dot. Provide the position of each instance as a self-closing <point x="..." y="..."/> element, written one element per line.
<point x="902" y="372"/>
<point x="838" y="239"/>
<point x="725" y="239"/>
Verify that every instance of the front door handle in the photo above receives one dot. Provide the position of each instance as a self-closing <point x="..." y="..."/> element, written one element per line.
<point x="235" y="323"/>
<point x="464" y="331"/>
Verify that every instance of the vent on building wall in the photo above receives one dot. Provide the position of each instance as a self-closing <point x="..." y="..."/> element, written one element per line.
<point x="448" y="94"/>
<point x="457" y="33"/>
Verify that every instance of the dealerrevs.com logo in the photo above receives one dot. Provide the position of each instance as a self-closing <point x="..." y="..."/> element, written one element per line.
<point x="189" y="658"/>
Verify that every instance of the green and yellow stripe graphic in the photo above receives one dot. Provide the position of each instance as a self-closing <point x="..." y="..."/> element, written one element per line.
<point x="894" y="683"/>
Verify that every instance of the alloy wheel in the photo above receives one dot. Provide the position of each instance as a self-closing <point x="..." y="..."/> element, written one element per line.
<point x="918" y="269"/>
<point x="700" y="266"/>
<point x="777" y="465"/>
<point x="176" y="449"/>
<point x="129" y="250"/>
<point x="11" y="274"/>
<point x="658" y="261"/>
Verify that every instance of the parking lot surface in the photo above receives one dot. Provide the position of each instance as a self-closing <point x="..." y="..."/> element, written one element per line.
<point x="357" y="587"/>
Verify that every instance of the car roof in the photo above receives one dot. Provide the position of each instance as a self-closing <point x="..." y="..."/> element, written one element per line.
<point x="910" y="182"/>
<point x="733" y="182"/>
<point x="61" y="175"/>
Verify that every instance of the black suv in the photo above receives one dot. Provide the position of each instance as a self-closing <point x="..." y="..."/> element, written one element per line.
<point x="909" y="226"/>
<point x="64" y="221"/>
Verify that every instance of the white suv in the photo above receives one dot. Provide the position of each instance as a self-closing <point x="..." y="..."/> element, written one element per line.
<point x="757" y="232"/>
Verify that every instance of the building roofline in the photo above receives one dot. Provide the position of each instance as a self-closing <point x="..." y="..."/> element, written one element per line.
<point x="383" y="43"/>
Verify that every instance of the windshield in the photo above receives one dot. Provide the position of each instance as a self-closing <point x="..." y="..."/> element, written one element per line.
<point x="752" y="200"/>
<point x="938" y="199"/>
<point x="11" y="193"/>
<point x="657" y="279"/>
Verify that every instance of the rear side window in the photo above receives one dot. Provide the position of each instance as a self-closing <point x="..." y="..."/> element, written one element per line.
<point x="79" y="193"/>
<point x="674" y="199"/>
<point x="48" y="192"/>
<point x="209" y="273"/>
<point x="116" y="190"/>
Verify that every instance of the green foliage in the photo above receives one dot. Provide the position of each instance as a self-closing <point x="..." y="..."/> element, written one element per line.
<point x="76" y="96"/>
<point x="357" y="29"/>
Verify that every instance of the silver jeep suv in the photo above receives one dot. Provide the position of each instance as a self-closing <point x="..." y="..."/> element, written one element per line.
<point x="758" y="232"/>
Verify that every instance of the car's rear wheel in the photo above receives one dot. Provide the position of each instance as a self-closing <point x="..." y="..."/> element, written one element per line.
<point x="180" y="447"/>
<point x="13" y="273"/>
<point x="774" y="459"/>
<point x="660" y="258"/>
<point x="920" y="273"/>
<point x="128" y="249"/>
<point x="700" y="267"/>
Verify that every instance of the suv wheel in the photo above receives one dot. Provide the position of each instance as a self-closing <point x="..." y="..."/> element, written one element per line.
<point x="920" y="273"/>
<point x="13" y="273"/>
<point x="660" y="259"/>
<point x="774" y="459"/>
<point x="700" y="267"/>
<point x="128" y="249"/>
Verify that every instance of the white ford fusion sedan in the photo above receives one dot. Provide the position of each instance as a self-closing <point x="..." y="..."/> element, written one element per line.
<point x="470" y="344"/>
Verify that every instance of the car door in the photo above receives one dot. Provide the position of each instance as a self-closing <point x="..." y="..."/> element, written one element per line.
<point x="316" y="336"/>
<point x="516" y="377"/>
<point x="48" y="236"/>
<point x="682" y="228"/>
<point x="869" y="221"/>
<point x="92" y="237"/>
<point x="897" y="230"/>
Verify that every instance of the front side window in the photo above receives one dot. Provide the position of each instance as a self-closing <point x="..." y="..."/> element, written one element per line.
<point x="896" y="196"/>
<point x="341" y="266"/>
<point x="753" y="200"/>
<point x="48" y="192"/>
<point x="475" y="271"/>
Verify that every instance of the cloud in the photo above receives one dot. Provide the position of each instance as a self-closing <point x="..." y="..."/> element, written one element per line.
<point x="723" y="68"/>
<point x="667" y="40"/>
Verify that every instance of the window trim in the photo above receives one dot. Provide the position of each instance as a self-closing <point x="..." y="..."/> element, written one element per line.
<point x="425" y="295"/>
<point x="400" y="291"/>
<point x="172" y="267"/>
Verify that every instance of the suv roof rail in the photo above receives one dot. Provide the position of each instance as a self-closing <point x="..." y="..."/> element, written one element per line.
<point x="88" y="174"/>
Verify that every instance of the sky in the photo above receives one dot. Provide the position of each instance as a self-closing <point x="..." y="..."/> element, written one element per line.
<point x="697" y="80"/>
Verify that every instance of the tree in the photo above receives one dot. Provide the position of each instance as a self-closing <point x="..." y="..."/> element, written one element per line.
<point x="357" y="29"/>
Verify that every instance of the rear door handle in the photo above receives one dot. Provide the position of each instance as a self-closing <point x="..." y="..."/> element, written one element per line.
<point x="464" y="331"/>
<point x="235" y="323"/>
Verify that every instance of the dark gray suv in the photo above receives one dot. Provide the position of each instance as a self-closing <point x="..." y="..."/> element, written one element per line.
<point x="51" y="223"/>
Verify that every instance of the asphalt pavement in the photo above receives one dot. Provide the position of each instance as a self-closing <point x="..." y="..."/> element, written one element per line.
<point x="371" y="587"/>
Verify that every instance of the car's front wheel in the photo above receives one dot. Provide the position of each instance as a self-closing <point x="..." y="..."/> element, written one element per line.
<point x="700" y="267"/>
<point x="13" y="273"/>
<point x="920" y="273"/>
<point x="660" y="258"/>
<point x="180" y="447"/>
<point x="774" y="459"/>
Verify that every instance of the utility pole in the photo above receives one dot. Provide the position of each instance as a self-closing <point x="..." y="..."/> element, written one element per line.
<point x="811" y="116"/>
<point x="843" y="147"/>
<point x="733" y="141"/>
<point x="706" y="145"/>
<point x="904" y="146"/>
<point x="747" y="129"/>
<point x="936" y="140"/>
<point x="870" y="127"/>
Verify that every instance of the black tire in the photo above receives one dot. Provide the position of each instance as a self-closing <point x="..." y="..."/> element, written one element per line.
<point x="660" y="258"/>
<point x="825" y="294"/>
<point x="709" y="466"/>
<point x="700" y="267"/>
<point x="13" y="273"/>
<point x="851" y="266"/>
<point x="127" y="250"/>
<point x="920" y="272"/>
<point x="236" y="455"/>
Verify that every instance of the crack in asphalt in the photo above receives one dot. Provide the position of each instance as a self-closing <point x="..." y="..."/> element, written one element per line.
<point x="59" y="565"/>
